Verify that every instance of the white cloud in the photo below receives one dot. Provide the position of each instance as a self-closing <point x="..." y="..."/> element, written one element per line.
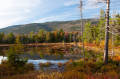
<point x="27" y="10"/>
<point x="95" y="1"/>
<point x="12" y="11"/>
<point x="72" y="2"/>
<point x="91" y="1"/>
<point x="52" y="18"/>
<point x="93" y="6"/>
<point x="8" y="22"/>
<point x="64" y="16"/>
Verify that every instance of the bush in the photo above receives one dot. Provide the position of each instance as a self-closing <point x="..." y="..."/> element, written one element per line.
<point x="69" y="66"/>
<point x="108" y="67"/>
<point x="90" y="66"/>
<point x="48" y="64"/>
<point x="7" y="69"/>
<point x="29" y="67"/>
<point x="60" y="64"/>
<point x="90" y="69"/>
<point x="93" y="59"/>
<point x="79" y="69"/>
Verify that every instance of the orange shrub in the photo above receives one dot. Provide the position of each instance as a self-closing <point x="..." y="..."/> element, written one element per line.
<point x="102" y="44"/>
<point x="116" y="58"/>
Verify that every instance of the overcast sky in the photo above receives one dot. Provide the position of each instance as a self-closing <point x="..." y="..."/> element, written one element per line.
<point x="15" y="12"/>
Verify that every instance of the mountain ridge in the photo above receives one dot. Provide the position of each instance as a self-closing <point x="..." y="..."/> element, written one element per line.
<point x="48" y="26"/>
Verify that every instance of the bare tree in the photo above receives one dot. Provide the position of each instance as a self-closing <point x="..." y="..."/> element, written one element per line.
<point x="105" y="59"/>
<point x="81" y="4"/>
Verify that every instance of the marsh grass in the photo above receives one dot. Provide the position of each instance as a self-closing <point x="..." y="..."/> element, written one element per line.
<point x="6" y="69"/>
<point x="91" y="69"/>
<point x="48" y="64"/>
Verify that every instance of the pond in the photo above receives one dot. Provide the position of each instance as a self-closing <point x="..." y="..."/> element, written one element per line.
<point x="42" y="54"/>
<point x="54" y="54"/>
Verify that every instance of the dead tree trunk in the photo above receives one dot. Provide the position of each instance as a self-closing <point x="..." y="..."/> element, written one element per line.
<point x="105" y="60"/>
<point x="82" y="28"/>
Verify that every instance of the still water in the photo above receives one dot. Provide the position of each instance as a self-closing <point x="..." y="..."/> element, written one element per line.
<point x="43" y="54"/>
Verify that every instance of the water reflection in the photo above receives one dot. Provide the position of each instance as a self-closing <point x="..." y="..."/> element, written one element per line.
<point x="54" y="54"/>
<point x="43" y="54"/>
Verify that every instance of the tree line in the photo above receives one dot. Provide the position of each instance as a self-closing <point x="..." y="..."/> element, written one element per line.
<point x="41" y="37"/>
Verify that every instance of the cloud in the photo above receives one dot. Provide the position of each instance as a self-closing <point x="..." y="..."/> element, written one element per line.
<point x="95" y="1"/>
<point x="64" y="16"/>
<point x="53" y="18"/>
<point x="12" y="11"/>
<point x="91" y="1"/>
<point x="8" y="22"/>
<point x="93" y="6"/>
<point x="72" y="2"/>
<point x="27" y="10"/>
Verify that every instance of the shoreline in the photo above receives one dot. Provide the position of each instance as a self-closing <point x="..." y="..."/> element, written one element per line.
<point x="37" y="44"/>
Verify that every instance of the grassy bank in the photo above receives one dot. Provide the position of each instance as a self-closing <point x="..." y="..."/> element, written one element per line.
<point x="92" y="69"/>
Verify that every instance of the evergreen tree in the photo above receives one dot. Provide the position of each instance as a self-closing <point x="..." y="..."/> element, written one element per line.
<point x="47" y="37"/>
<point x="1" y="37"/>
<point x="61" y="35"/>
<point x="13" y="54"/>
<point x="87" y="33"/>
<point x="10" y="38"/>
<point x="41" y="36"/>
<point x="101" y="25"/>
<point x="31" y="37"/>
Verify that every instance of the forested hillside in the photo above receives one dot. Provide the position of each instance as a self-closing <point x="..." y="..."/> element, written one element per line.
<point x="49" y="26"/>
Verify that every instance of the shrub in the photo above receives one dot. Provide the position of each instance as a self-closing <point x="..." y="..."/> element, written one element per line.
<point x="29" y="67"/>
<point x="86" y="59"/>
<point x="108" y="67"/>
<point x="60" y="64"/>
<point x="69" y="66"/>
<point x="91" y="66"/>
<point x="57" y="75"/>
<point x="65" y="75"/>
<point x="93" y="59"/>
<point x="7" y="69"/>
<point x="113" y="74"/>
<point x="79" y="69"/>
<point x="99" y="76"/>
<point x="48" y="64"/>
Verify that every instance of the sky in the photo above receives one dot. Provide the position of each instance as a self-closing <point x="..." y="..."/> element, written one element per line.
<point x="16" y="12"/>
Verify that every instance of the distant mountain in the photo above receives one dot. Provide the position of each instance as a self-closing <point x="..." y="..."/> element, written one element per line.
<point x="48" y="26"/>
